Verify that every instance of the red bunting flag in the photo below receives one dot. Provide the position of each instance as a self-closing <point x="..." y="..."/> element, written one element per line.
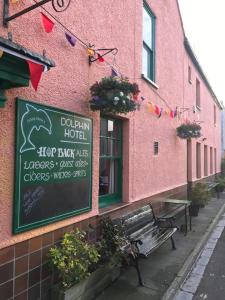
<point x="35" y="73"/>
<point x="172" y="114"/>
<point x="100" y="58"/>
<point x="47" y="23"/>
<point x="157" y="110"/>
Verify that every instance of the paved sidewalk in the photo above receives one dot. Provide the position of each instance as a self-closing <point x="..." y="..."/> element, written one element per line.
<point x="164" y="270"/>
<point x="207" y="278"/>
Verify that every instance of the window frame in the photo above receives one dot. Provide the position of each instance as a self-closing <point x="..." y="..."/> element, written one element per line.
<point x="109" y="199"/>
<point x="189" y="74"/>
<point x="198" y="94"/>
<point x="150" y="52"/>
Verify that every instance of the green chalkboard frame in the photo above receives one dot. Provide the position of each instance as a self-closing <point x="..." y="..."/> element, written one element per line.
<point x="17" y="227"/>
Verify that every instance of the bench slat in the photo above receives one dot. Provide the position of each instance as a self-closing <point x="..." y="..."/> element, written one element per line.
<point x="150" y="244"/>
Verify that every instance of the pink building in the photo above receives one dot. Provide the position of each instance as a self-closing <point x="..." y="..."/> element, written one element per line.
<point x="107" y="163"/>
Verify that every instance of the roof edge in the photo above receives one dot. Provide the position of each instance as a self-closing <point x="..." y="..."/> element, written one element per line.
<point x="18" y="49"/>
<point x="200" y="70"/>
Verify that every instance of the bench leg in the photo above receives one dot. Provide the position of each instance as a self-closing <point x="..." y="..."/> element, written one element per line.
<point x="136" y="265"/>
<point x="173" y="243"/>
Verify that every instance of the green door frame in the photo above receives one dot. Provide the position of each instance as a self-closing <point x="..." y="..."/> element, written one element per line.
<point x="109" y="199"/>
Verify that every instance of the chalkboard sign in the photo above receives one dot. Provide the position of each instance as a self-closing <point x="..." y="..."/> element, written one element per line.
<point x="53" y="165"/>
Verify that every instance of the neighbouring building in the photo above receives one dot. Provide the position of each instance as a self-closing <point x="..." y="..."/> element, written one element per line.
<point x="63" y="165"/>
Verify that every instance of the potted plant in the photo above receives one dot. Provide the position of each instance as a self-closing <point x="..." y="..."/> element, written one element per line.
<point x="75" y="260"/>
<point x="220" y="186"/>
<point x="111" y="243"/>
<point x="114" y="95"/>
<point x="189" y="130"/>
<point x="199" y="198"/>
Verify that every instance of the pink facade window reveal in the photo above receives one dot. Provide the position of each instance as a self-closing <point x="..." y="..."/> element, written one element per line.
<point x="198" y="160"/>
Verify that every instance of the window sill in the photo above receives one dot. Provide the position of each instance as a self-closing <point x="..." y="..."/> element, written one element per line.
<point x="106" y="210"/>
<point x="150" y="81"/>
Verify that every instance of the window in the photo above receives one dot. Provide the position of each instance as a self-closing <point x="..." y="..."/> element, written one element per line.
<point x="189" y="74"/>
<point x="211" y="160"/>
<point x="205" y="160"/>
<point x="148" y="50"/>
<point x="198" y="93"/>
<point x="215" y="162"/>
<point x="198" y="160"/>
<point x="156" y="148"/>
<point x="110" y="162"/>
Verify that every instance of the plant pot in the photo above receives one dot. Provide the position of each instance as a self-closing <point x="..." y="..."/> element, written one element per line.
<point x="193" y="210"/>
<point x="90" y="287"/>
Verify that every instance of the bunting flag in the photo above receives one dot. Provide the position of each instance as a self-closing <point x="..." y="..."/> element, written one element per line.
<point x="151" y="108"/>
<point x="14" y="1"/>
<point x="72" y="40"/>
<point x="90" y="52"/>
<point x="47" y="23"/>
<point x="35" y="73"/>
<point x="113" y="73"/>
<point x="157" y="110"/>
<point x="167" y="112"/>
<point x="135" y="97"/>
<point x="100" y="58"/>
<point x="142" y="98"/>
<point x="1" y="53"/>
<point x="160" y="113"/>
<point x="172" y="114"/>
<point x="175" y="113"/>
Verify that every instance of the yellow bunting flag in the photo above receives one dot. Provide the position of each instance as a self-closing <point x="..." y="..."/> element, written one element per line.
<point x="1" y="53"/>
<point x="15" y="1"/>
<point x="90" y="52"/>
<point x="151" y="107"/>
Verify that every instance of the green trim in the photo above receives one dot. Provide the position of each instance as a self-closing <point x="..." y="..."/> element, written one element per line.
<point x="2" y="99"/>
<point x="109" y="199"/>
<point x="17" y="226"/>
<point x="151" y="52"/>
<point x="14" y="72"/>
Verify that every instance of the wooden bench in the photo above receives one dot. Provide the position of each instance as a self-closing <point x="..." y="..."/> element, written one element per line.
<point x="145" y="233"/>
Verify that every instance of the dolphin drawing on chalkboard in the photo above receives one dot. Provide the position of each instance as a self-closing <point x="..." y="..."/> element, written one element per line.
<point x="33" y="119"/>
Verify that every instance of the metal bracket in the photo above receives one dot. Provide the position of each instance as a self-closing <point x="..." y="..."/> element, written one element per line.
<point x="107" y="51"/>
<point x="58" y="6"/>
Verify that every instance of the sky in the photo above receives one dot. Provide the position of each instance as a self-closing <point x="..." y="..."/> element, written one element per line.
<point x="204" y="25"/>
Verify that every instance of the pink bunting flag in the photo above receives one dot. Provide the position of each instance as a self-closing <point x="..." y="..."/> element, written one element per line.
<point x="47" y="23"/>
<point x="35" y="73"/>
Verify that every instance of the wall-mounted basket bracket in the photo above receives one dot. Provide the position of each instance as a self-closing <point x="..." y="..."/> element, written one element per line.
<point x="105" y="52"/>
<point x="58" y="6"/>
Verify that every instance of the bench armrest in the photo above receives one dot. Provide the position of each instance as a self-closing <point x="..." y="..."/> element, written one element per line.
<point x="163" y="220"/>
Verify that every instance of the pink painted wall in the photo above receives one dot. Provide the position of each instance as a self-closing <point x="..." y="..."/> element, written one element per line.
<point x="110" y="24"/>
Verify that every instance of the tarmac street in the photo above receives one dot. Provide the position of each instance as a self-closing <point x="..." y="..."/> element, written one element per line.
<point x="199" y="256"/>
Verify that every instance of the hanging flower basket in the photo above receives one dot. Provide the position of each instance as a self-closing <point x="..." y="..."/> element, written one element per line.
<point x="189" y="130"/>
<point x="114" y="95"/>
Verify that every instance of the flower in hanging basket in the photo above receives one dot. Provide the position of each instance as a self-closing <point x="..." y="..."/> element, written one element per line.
<point x="114" y="95"/>
<point x="189" y="130"/>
